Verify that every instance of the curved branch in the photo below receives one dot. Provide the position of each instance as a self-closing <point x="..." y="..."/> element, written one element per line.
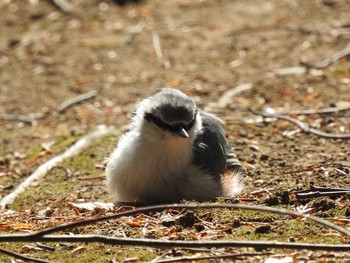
<point x="23" y="257"/>
<point x="321" y="111"/>
<point x="303" y="126"/>
<point x="42" y="170"/>
<point x="221" y="256"/>
<point x="157" y="243"/>
<point x="155" y="208"/>
<point x="328" y="61"/>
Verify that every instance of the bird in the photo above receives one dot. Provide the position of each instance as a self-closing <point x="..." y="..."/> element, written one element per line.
<point x="172" y="152"/>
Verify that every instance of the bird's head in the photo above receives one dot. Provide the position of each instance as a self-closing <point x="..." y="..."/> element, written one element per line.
<point x="168" y="114"/>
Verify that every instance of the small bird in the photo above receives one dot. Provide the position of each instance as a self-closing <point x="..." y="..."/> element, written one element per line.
<point x="173" y="152"/>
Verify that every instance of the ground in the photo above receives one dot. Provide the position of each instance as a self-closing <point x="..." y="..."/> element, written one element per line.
<point x="207" y="48"/>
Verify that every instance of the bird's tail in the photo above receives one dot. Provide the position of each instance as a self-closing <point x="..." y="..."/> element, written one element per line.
<point x="232" y="182"/>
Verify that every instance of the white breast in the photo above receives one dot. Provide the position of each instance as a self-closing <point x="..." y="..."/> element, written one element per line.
<point x="140" y="169"/>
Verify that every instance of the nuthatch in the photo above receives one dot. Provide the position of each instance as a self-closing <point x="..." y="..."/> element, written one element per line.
<point x="173" y="152"/>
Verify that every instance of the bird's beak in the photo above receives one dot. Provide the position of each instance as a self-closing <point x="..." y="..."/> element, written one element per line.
<point x="182" y="133"/>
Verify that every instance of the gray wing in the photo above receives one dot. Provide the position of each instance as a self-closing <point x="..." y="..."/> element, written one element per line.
<point x="211" y="149"/>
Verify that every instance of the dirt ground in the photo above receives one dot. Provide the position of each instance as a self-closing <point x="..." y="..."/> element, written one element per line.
<point x="207" y="48"/>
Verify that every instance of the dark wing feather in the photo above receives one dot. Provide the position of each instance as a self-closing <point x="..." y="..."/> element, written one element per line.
<point x="211" y="148"/>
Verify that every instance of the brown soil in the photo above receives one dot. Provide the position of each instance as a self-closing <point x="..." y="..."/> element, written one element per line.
<point x="209" y="47"/>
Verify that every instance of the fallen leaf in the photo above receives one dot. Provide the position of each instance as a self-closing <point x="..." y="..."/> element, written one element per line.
<point x="144" y="12"/>
<point x="136" y="223"/>
<point x="41" y="155"/>
<point x="15" y="226"/>
<point x="285" y="93"/>
<point x="248" y="165"/>
<point x="309" y="98"/>
<point x="174" y="84"/>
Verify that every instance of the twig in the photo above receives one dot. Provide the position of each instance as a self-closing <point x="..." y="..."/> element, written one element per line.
<point x="314" y="194"/>
<point x="328" y="61"/>
<point x="68" y="103"/>
<point x="303" y="30"/>
<point x="315" y="191"/>
<point x="223" y="256"/>
<point x="79" y="146"/>
<point x="155" y="208"/>
<point x="303" y="126"/>
<point x="63" y="5"/>
<point x="322" y="111"/>
<point x="21" y="118"/>
<point x="156" y="45"/>
<point x="158" y="243"/>
<point x="134" y="31"/>
<point x="41" y="235"/>
<point x="310" y="168"/>
<point x="340" y="31"/>
<point x="225" y="98"/>
<point x="23" y="257"/>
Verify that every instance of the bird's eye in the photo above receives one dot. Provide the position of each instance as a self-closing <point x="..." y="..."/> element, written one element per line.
<point x="157" y="121"/>
<point x="190" y="125"/>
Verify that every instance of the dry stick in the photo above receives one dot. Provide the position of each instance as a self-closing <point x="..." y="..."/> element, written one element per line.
<point x="133" y="32"/>
<point x="21" y="118"/>
<point x="63" y="5"/>
<point x="156" y="45"/>
<point x="303" y="126"/>
<point x="318" y="194"/>
<point x="157" y="243"/>
<point x="323" y="189"/>
<point x="68" y="103"/>
<point x="23" y="257"/>
<point x="328" y="61"/>
<point x="225" y="99"/>
<point x="304" y="30"/>
<point x="155" y="208"/>
<point x="322" y="111"/>
<point x="310" y="168"/>
<point x="41" y="171"/>
<point x="315" y="191"/>
<point x="196" y="258"/>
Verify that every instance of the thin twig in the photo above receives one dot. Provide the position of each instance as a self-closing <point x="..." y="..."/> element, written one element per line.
<point x="328" y="61"/>
<point x="314" y="194"/>
<point x="68" y="103"/>
<point x="197" y="258"/>
<point x="303" y="126"/>
<point x="304" y="30"/>
<point x="158" y="243"/>
<point x="225" y="99"/>
<point x="21" y="118"/>
<point x="63" y="5"/>
<point x="23" y="257"/>
<point x="155" y="208"/>
<point x="315" y="191"/>
<point x="156" y="45"/>
<point x="310" y="168"/>
<point x="79" y="146"/>
<point x="322" y="111"/>
<point x="134" y="31"/>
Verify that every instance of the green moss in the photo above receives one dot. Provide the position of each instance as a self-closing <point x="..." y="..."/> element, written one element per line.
<point x="340" y="70"/>
<point x="96" y="253"/>
<point x="38" y="196"/>
<point x="61" y="181"/>
<point x="64" y="140"/>
<point x="35" y="151"/>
